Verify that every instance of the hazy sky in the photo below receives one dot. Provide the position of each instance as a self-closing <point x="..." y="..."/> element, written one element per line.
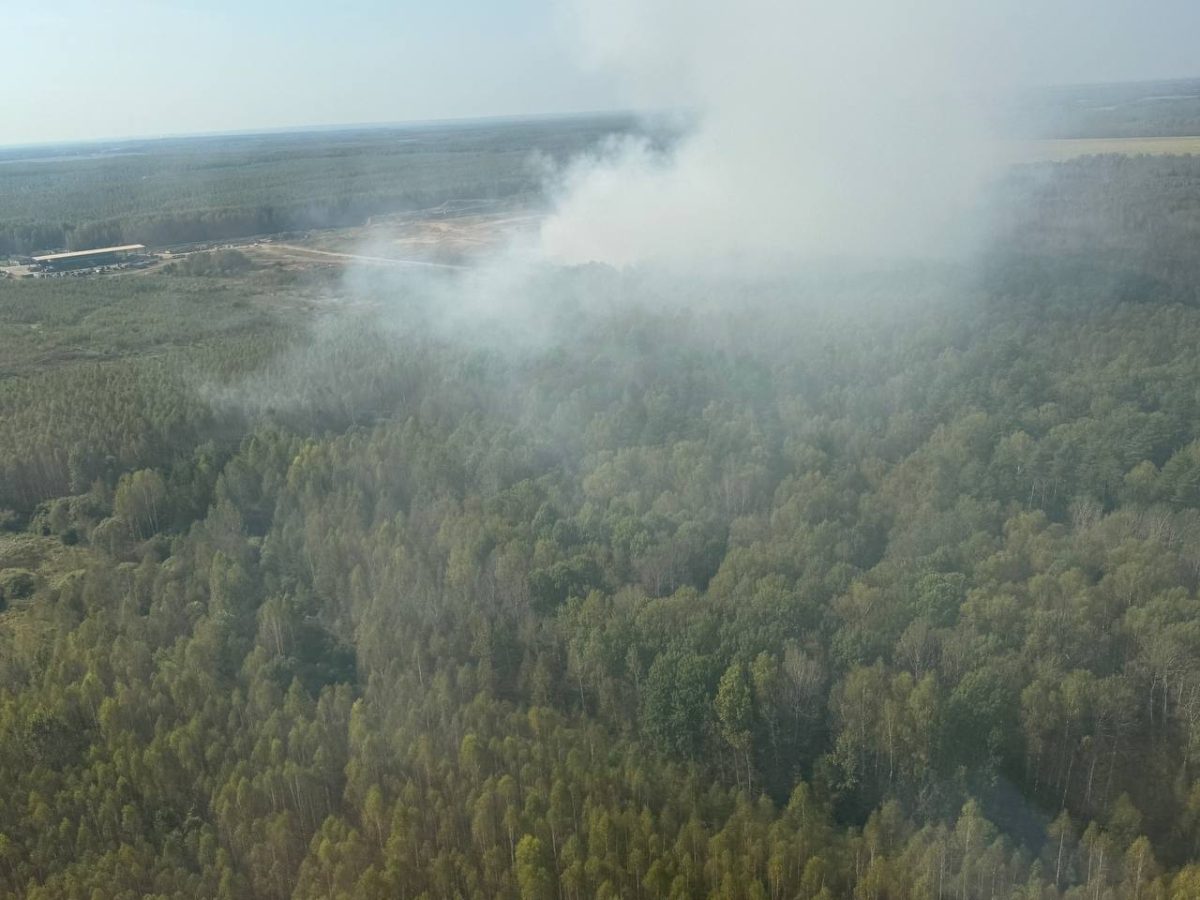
<point x="79" y="69"/>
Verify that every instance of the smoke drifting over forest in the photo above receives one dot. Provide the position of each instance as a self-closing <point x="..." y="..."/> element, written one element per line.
<point x="787" y="504"/>
<point x="822" y="129"/>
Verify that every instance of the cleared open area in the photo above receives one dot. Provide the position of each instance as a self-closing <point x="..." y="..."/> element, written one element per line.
<point x="1055" y="150"/>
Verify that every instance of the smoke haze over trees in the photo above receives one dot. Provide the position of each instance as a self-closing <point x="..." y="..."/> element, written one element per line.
<point x="879" y="584"/>
<point x="809" y="510"/>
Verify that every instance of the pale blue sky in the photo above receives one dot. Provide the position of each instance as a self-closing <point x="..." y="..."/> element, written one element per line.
<point x="81" y="69"/>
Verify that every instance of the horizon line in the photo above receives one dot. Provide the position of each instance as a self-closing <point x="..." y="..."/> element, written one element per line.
<point x="327" y="126"/>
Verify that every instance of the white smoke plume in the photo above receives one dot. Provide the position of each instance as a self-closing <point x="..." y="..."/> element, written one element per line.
<point x="824" y="129"/>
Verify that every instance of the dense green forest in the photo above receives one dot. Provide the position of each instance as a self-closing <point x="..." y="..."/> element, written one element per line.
<point x="874" y="584"/>
<point x="206" y="189"/>
<point x="1129" y="221"/>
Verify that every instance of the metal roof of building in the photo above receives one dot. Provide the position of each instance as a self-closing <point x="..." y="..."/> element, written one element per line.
<point x="54" y="257"/>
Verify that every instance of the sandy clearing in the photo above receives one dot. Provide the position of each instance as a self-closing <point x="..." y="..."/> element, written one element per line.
<point x="384" y="260"/>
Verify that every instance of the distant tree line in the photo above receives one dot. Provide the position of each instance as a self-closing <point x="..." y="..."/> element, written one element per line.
<point x="209" y="189"/>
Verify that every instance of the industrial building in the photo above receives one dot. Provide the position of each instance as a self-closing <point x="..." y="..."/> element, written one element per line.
<point x="86" y="259"/>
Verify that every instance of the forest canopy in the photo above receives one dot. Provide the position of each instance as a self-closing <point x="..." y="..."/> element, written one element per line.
<point x="872" y="585"/>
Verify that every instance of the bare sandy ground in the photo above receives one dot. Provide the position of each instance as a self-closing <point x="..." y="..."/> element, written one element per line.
<point x="354" y="257"/>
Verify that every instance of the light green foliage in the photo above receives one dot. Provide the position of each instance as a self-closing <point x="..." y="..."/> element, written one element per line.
<point x="882" y="586"/>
